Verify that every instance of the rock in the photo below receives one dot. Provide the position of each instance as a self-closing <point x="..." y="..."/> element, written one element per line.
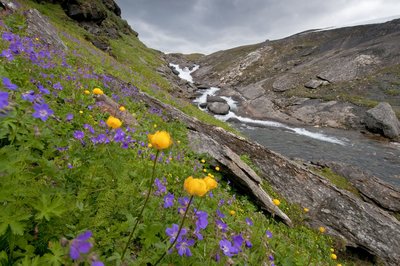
<point x="40" y="26"/>
<point x="282" y="84"/>
<point x="176" y="72"/>
<point x="112" y="6"/>
<point x="212" y="99"/>
<point x="218" y="108"/>
<point x="201" y="86"/>
<point x="89" y="11"/>
<point x="382" y="119"/>
<point x="313" y="84"/>
<point x="370" y="188"/>
<point x="203" y="105"/>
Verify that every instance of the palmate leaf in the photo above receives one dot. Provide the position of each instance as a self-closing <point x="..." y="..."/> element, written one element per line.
<point x="13" y="217"/>
<point x="56" y="256"/>
<point x="49" y="207"/>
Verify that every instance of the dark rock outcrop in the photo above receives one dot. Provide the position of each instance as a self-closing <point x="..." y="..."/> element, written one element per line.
<point x="212" y="99"/>
<point x="382" y="119"/>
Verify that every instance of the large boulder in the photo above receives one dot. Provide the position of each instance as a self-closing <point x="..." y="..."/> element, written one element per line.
<point x="213" y="99"/>
<point x="218" y="108"/>
<point x="382" y="119"/>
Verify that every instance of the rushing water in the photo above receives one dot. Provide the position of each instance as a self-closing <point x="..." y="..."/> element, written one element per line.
<point x="380" y="158"/>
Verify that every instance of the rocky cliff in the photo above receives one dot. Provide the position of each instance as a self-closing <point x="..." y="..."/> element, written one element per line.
<point x="317" y="77"/>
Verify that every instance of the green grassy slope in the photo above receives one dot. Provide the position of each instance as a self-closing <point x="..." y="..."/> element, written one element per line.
<point x="64" y="172"/>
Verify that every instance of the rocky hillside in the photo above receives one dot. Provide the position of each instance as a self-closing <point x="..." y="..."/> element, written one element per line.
<point x="318" y="77"/>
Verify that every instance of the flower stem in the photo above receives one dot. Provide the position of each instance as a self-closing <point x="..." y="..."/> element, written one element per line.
<point x="177" y="235"/>
<point x="144" y="205"/>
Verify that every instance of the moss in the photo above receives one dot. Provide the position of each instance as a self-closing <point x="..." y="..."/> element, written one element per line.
<point x="337" y="180"/>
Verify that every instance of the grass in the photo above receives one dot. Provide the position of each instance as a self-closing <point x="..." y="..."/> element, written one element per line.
<point x="67" y="173"/>
<point x="338" y="180"/>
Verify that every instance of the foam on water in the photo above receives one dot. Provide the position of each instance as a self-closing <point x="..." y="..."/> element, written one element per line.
<point x="185" y="73"/>
<point x="203" y="98"/>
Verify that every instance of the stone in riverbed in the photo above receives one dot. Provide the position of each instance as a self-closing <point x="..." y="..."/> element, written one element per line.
<point x="218" y="108"/>
<point x="382" y="119"/>
<point x="313" y="84"/>
<point x="212" y="99"/>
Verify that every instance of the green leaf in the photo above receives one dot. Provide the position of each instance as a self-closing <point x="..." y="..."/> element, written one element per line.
<point x="13" y="217"/>
<point x="27" y="261"/>
<point x="56" y="258"/>
<point x="49" y="207"/>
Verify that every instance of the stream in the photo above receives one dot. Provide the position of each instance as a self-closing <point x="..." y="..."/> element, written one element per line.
<point x="381" y="158"/>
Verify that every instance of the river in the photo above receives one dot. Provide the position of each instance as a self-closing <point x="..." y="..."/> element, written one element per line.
<point x="381" y="158"/>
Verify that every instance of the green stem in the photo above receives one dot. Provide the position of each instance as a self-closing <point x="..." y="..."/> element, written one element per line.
<point x="177" y="235"/>
<point x="144" y="205"/>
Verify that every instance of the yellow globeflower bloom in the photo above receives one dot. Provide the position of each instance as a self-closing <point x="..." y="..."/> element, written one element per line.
<point x="210" y="182"/>
<point x="87" y="92"/>
<point x="232" y="212"/>
<point x="338" y="264"/>
<point x="322" y="229"/>
<point x="306" y="209"/>
<point x="81" y="112"/>
<point x="333" y="256"/>
<point x="160" y="140"/>
<point x="205" y="170"/>
<point x="195" y="186"/>
<point x="113" y="122"/>
<point x="98" y="91"/>
<point x="216" y="168"/>
<point x="122" y="108"/>
<point x="203" y="161"/>
<point x="276" y="202"/>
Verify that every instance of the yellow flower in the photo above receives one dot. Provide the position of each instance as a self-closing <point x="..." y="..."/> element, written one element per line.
<point x="97" y="91"/>
<point x="155" y="125"/>
<point x="179" y="142"/>
<point x="276" y="202"/>
<point x="203" y="161"/>
<point x="333" y="256"/>
<point x="149" y="145"/>
<point x="205" y="170"/>
<point x="232" y="212"/>
<point x="195" y="186"/>
<point x="332" y="250"/>
<point x="122" y="108"/>
<point x="87" y="92"/>
<point x="322" y="229"/>
<point x="81" y="112"/>
<point x="216" y="168"/>
<point x="338" y="264"/>
<point x="210" y="182"/>
<point x="160" y="140"/>
<point x="113" y="122"/>
<point x="306" y="209"/>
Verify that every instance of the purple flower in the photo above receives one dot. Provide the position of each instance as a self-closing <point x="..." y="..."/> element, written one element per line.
<point x="202" y="221"/>
<point x="42" y="111"/>
<point x="271" y="258"/>
<point x="183" y="247"/>
<point x="173" y="232"/>
<point x="168" y="200"/>
<point x="58" y="86"/>
<point x="43" y="89"/>
<point x="97" y="263"/>
<point x="221" y="225"/>
<point x="161" y="189"/>
<point x="79" y="134"/>
<point x="249" y="222"/>
<point x="8" y="36"/>
<point x="227" y="248"/>
<point x="7" y="54"/>
<point x="220" y="214"/>
<point x="69" y="117"/>
<point x="184" y="201"/>
<point x="28" y="96"/>
<point x="238" y="241"/>
<point x="88" y="127"/>
<point x="80" y="245"/>
<point x="268" y="234"/>
<point x="119" y="135"/>
<point x="9" y="85"/>
<point x="248" y="244"/>
<point x="3" y="99"/>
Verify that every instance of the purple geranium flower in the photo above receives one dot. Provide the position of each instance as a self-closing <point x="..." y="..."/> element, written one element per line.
<point x="90" y="128"/>
<point x="119" y="135"/>
<point x="183" y="247"/>
<point x="8" y="36"/>
<point x="58" y="86"/>
<point x="173" y="232"/>
<point x="168" y="200"/>
<point x="161" y="188"/>
<point x="220" y="214"/>
<point x="268" y="234"/>
<point x="97" y="263"/>
<point x="42" y="111"/>
<point x="7" y="54"/>
<point x="238" y="241"/>
<point x="248" y="244"/>
<point x="80" y="245"/>
<point x="43" y="89"/>
<point x="249" y="222"/>
<point x="227" y="247"/>
<point x="221" y="225"/>
<point x="79" y="134"/>
<point x="28" y="96"/>
<point x="69" y="117"/>
<point x="9" y="85"/>
<point x="202" y="221"/>
<point x="3" y="99"/>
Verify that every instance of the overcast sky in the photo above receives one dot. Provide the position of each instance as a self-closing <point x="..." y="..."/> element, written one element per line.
<point x="206" y="26"/>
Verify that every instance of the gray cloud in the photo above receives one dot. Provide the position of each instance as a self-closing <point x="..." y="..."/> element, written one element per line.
<point x="206" y="26"/>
